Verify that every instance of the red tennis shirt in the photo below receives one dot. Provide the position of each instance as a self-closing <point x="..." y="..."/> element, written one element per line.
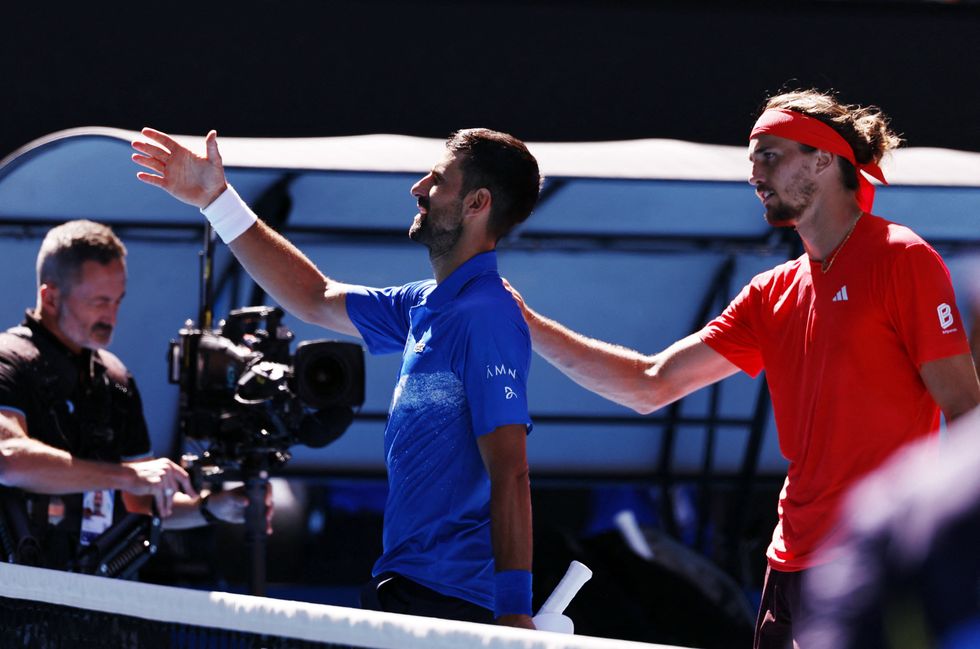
<point x="842" y="352"/>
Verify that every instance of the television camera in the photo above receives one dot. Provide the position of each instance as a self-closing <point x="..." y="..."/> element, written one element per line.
<point x="249" y="400"/>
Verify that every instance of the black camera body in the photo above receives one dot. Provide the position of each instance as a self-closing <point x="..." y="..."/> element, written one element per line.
<point x="244" y="394"/>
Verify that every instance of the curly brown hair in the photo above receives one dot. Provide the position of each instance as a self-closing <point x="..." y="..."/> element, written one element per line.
<point x="865" y="128"/>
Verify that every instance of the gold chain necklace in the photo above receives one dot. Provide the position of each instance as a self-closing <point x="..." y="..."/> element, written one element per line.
<point x="825" y="266"/>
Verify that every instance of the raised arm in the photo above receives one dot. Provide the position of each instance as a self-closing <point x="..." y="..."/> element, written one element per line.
<point x="276" y="265"/>
<point x="642" y="382"/>
<point x="286" y="274"/>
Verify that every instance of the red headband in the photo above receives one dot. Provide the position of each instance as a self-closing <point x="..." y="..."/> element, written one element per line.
<point x="812" y="132"/>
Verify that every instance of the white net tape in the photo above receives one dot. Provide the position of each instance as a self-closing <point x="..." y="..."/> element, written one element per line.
<point x="262" y="615"/>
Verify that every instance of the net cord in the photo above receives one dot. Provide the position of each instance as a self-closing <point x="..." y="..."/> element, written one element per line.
<point x="263" y="615"/>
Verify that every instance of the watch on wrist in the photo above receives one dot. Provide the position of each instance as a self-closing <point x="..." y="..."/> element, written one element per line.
<point x="205" y="512"/>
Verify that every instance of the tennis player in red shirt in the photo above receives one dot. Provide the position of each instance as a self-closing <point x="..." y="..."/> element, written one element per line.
<point x="860" y="336"/>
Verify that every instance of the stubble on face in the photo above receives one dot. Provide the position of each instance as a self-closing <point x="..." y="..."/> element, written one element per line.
<point x="440" y="228"/>
<point x="85" y="313"/>
<point x="793" y="201"/>
<point x="98" y="335"/>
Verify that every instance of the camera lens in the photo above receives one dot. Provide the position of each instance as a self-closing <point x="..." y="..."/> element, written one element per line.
<point x="329" y="373"/>
<point x="324" y="378"/>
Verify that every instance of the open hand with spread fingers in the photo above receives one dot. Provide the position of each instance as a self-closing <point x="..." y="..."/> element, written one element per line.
<point x="194" y="179"/>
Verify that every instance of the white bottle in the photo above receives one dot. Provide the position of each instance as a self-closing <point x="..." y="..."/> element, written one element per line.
<point x="550" y="617"/>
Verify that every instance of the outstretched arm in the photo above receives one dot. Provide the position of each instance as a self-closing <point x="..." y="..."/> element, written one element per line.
<point x="276" y="265"/>
<point x="505" y="458"/>
<point x="31" y="465"/>
<point x="642" y="382"/>
<point x="292" y="279"/>
<point x="228" y="506"/>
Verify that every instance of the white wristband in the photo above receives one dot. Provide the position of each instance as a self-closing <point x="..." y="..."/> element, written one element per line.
<point x="229" y="215"/>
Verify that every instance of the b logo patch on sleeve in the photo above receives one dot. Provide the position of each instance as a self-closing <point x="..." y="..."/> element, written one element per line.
<point x="945" y="315"/>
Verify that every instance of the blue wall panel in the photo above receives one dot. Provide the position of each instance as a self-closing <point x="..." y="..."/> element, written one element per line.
<point x="641" y="296"/>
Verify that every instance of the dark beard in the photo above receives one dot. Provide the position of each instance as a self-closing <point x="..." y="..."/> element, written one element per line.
<point x="784" y="215"/>
<point x="438" y="237"/>
<point x="439" y="242"/>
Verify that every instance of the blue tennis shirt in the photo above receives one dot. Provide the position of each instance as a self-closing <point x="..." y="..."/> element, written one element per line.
<point x="465" y="358"/>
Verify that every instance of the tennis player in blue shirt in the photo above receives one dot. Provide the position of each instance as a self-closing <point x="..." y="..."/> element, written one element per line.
<point x="457" y="529"/>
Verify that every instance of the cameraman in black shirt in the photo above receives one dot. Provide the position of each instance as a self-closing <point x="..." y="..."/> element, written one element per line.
<point x="74" y="449"/>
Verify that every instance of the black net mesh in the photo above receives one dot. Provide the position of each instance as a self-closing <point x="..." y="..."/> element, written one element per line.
<point x="38" y="625"/>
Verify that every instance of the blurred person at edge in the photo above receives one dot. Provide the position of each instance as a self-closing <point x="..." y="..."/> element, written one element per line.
<point x="904" y="569"/>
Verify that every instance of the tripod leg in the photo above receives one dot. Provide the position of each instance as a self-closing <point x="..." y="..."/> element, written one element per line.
<point x="255" y="536"/>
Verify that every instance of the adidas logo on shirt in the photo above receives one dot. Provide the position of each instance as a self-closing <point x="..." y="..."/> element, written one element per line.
<point x="841" y="295"/>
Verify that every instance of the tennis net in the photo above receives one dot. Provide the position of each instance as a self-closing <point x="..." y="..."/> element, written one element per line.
<point x="51" y="609"/>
